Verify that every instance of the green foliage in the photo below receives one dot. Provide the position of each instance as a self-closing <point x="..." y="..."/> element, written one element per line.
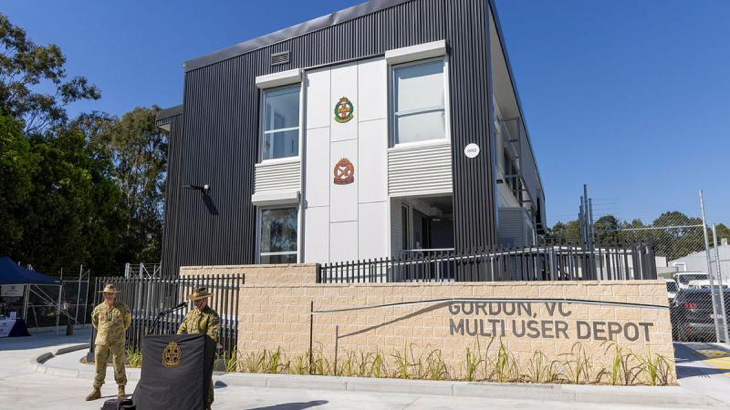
<point x="473" y="360"/>
<point x="566" y="232"/>
<point x="678" y="235"/>
<point x="88" y="191"/>
<point x="577" y="365"/>
<point x="69" y="211"/>
<point x="540" y="370"/>
<point x="226" y="361"/>
<point x="499" y="365"/>
<point x="18" y="164"/>
<point x="138" y="150"/>
<point x="134" y="357"/>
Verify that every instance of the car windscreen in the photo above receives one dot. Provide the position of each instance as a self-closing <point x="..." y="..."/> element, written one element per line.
<point x="671" y="286"/>
<point x="685" y="279"/>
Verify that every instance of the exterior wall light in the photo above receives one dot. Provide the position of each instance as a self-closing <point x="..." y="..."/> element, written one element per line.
<point x="202" y="188"/>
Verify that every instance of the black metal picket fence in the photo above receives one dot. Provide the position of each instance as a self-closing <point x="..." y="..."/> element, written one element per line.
<point x="147" y="298"/>
<point x="544" y="262"/>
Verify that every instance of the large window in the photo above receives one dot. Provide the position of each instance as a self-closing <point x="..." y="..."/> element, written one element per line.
<point x="278" y="235"/>
<point x="280" y="137"/>
<point x="418" y="102"/>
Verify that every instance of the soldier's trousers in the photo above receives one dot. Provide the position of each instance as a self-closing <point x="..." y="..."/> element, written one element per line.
<point x="101" y="355"/>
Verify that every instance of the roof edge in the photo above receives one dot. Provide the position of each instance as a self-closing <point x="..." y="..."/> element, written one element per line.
<point x="167" y="113"/>
<point x="498" y="27"/>
<point x="301" y="29"/>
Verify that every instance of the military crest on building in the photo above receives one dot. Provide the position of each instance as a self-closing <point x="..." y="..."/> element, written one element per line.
<point x="344" y="110"/>
<point x="171" y="355"/>
<point x="344" y="172"/>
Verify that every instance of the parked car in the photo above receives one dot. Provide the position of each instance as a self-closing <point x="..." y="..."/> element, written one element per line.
<point x="671" y="290"/>
<point x="693" y="318"/>
<point x="684" y="278"/>
<point x="703" y="284"/>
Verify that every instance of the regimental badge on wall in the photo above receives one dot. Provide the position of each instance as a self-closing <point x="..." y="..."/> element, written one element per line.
<point x="171" y="355"/>
<point x="344" y="110"/>
<point x="344" y="172"/>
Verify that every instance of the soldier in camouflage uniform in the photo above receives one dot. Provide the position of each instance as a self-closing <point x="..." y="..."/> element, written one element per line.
<point x="111" y="320"/>
<point x="202" y="319"/>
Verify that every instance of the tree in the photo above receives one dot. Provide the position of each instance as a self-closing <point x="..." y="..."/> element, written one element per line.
<point x="723" y="232"/>
<point x="18" y="165"/>
<point x="138" y="151"/>
<point x="88" y="191"/>
<point x="566" y="232"/>
<point x="25" y="65"/>
<point x="73" y="216"/>
<point x="606" y="229"/>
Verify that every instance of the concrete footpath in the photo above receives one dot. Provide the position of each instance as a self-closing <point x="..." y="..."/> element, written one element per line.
<point x="43" y="372"/>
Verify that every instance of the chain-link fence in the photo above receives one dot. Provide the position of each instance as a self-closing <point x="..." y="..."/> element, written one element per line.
<point x="693" y="258"/>
<point x="48" y="306"/>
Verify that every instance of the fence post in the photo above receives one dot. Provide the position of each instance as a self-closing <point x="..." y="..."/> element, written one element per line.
<point x="709" y="268"/>
<point x="311" y="334"/>
<point x="58" y="307"/>
<point x="719" y="280"/>
<point x="93" y="330"/>
<point x="78" y="296"/>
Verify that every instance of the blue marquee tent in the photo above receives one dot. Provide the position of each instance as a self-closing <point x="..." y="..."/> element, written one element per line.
<point x="13" y="274"/>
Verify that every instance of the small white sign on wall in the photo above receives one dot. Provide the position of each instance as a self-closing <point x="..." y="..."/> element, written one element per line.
<point x="11" y="290"/>
<point x="471" y="150"/>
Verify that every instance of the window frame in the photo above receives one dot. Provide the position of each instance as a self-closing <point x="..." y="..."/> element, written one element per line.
<point x="511" y="175"/>
<point x="392" y="115"/>
<point x="262" y="123"/>
<point x="259" y="220"/>
<point x="406" y="233"/>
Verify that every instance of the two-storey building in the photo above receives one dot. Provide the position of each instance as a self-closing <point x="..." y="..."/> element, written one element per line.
<point x="387" y="127"/>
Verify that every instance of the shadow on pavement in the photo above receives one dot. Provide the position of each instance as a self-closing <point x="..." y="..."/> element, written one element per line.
<point x="692" y="371"/>
<point x="293" y="406"/>
<point x="42" y="340"/>
<point x="683" y="353"/>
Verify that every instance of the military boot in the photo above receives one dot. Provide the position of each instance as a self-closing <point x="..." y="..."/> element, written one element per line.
<point x="120" y="392"/>
<point x="95" y="394"/>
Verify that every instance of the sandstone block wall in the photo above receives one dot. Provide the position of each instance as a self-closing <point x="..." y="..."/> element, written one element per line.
<point x="557" y="320"/>
<point x="276" y="315"/>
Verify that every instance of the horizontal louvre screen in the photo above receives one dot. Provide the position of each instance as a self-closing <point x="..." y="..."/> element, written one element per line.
<point x="280" y="58"/>
<point x="277" y="177"/>
<point x="420" y="169"/>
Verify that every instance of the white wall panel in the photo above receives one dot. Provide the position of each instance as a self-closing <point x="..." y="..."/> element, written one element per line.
<point x="373" y="90"/>
<point x="343" y="198"/>
<point x="316" y="234"/>
<point x="317" y="170"/>
<point x="343" y="83"/>
<point x="373" y="242"/>
<point x="318" y="99"/>
<point x="373" y="153"/>
<point x="343" y="243"/>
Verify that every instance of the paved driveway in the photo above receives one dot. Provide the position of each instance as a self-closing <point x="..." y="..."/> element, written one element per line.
<point x="22" y="388"/>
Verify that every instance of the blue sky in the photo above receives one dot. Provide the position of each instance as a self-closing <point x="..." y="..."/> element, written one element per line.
<point x="630" y="97"/>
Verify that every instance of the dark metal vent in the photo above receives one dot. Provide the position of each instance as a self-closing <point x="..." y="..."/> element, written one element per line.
<point x="279" y="58"/>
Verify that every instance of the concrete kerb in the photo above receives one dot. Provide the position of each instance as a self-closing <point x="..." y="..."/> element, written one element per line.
<point x="672" y="396"/>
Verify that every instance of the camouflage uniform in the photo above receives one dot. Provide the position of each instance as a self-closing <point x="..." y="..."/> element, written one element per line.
<point x="206" y="321"/>
<point x="110" y="322"/>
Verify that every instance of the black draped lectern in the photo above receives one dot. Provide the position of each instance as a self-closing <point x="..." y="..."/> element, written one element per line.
<point x="176" y="370"/>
